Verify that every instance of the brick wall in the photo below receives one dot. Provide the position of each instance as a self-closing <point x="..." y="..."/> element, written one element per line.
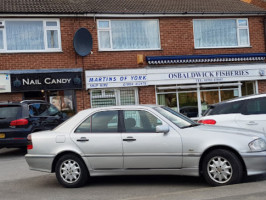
<point x="176" y="39"/>
<point x="262" y="87"/>
<point x="176" y="36"/>
<point x="147" y="95"/>
<point x="11" y="97"/>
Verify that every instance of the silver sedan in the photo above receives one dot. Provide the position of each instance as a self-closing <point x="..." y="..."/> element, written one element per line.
<point x="145" y="140"/>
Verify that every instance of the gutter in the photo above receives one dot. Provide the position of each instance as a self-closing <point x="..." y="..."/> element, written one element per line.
<point x="132" y="15"/>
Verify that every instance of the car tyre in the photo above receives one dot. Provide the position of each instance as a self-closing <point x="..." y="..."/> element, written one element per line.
<point x="222" y="167"/>
<point x="71" y="172"/>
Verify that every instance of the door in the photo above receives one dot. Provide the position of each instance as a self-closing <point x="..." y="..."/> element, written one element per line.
<point x="146" y="149"/>
<point x="254" y="115"/>
<point x="99" y="139"/>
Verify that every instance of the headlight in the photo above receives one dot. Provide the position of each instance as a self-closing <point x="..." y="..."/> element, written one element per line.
<point x="257" y="145"/>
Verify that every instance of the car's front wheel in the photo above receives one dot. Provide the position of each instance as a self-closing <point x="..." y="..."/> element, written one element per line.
<point x="222" y="167"/>
<point x="71" y="171"/>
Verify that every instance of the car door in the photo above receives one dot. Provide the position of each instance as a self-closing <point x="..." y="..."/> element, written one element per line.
<point x="99" y="139"/>
<point x="254" y="115"/>
<point x="144" y="148"/>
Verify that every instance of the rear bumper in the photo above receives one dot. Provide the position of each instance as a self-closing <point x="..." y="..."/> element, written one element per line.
<point x="40" y="162"/>
<point x="13" y="142"/>
<point x="255" y="162"/>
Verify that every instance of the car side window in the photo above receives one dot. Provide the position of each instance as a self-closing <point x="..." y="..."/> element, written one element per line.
<point x="39" y="109"/>
<point x="52" y="110"/>
<point x="33" y="110"/>
<point x="255" y="106"/>
<point x="138" y="121"/>
<point x="84" y="127"/>
<point x="227" y="108"/>
<point x="104" y="122"/>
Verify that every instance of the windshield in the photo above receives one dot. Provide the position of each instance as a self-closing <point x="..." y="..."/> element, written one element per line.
<point x="178" y="119"/>
<point x="9" y="111"/>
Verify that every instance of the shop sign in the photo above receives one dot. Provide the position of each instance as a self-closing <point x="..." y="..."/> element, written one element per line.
<point x="177" y="75"/>
<point x="46" y="81"/>
<point x="207" y="74"/>
<point x="116" y="78"/>
<point x="5" y="83"/>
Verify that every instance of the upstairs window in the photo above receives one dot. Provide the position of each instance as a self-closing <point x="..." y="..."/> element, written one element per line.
<point x="28" y="35"/>
<point x="128" y="35"/>
<point x="1" y="35"/>
<point x="221" y="33"/>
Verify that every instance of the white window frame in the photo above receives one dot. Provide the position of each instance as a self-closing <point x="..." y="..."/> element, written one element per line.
<point x="110" y="33"/>
<point x="45" y="28"/>
<point x="2" y="29"/>
<point x="237" y="27"/>
<point x="116" y="95"/>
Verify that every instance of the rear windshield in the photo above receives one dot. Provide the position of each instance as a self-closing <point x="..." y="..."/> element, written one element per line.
<point x="9" y="111"/>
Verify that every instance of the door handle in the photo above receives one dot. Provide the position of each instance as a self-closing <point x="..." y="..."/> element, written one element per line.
<point x="82" y="139"/>
<point x="129" y="139"/>
<point x="252" y="123"/>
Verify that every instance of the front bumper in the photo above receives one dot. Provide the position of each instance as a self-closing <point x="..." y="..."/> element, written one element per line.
<point x="255" y="162"/>
<point x="40" y="162"/>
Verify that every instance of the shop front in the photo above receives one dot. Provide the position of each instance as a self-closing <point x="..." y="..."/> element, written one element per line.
<point x="188" y="89"/>
<point x="5" y="83"/>
<point x="55" y="86"/>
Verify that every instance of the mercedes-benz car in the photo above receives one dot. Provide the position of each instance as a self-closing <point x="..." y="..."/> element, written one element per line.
<point x="145" y="140"/>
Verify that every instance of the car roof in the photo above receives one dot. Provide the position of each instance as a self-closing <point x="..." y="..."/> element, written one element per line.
<point x="124" y="107"/>
<point x="21" y="102"/>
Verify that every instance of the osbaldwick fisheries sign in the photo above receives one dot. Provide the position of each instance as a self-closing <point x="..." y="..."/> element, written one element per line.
<point x="177" y="75"/>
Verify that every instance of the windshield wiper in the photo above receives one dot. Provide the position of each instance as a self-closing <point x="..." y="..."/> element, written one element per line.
<point x="191" y="125"/>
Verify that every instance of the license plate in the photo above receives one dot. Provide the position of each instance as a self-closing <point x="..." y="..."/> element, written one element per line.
<point x="2" y="135"/>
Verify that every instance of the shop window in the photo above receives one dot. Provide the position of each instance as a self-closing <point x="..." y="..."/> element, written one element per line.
<point x="219" y="33"/>
<point x="29" y="35"/>
<point x="188" y="103"/>
<point x="128" y="35"/>
<point x="184" y="98"/>
<point x="63" y="101"/>
<point x="112" y="97"/>
<point x="168" y="100"/>
<point x="248" y="88"/>
<point x="229" y="94"/>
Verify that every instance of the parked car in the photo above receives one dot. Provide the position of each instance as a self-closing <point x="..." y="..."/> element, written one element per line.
<point x="18" y="119"/>
<point x="245" y="112"/>
<point x="189" y="111"/>
<point x="145" y="140"/>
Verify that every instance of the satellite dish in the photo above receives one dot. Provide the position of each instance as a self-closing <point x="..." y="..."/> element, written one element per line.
<point x="82" y="42"/>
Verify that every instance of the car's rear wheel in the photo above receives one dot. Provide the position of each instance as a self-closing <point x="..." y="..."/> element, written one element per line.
<point x="222" y="167"/>
<point x="71" y="171"/>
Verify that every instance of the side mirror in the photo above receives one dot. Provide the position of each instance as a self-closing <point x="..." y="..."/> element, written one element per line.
<point x="162" y="129"/>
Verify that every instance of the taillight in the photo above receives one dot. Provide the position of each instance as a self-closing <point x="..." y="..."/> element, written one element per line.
<point x="19" y="122"/>
<point x="29" y="145"/>
<point x="207" y="121"/>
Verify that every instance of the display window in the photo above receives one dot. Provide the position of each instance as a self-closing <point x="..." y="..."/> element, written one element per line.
<point x="63" y="100"/>
<point x="193" y="100"/>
